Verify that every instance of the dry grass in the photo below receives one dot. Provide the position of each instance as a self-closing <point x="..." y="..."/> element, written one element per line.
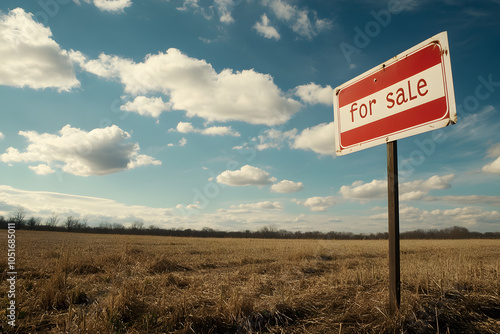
<point x="81" y="283"/>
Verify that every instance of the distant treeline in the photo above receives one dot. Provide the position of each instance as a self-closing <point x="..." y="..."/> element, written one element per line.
<point x="72" y="224"/>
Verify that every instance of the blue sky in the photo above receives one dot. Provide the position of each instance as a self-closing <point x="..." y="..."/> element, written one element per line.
<point x="193" y="114"/>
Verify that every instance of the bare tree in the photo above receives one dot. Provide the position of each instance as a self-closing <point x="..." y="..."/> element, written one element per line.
<point x="33" y="223"/>
<point x="137" y="225"/>
<point x="52" y="221"/>
<point x="117" y="226"/>
<point x="71" y="223"/>
<point x="18" y="217"/>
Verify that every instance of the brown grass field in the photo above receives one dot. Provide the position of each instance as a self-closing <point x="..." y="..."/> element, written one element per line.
<point x="87" y="283"/>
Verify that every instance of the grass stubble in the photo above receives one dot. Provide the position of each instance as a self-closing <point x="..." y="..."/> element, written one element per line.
<point x="87" y="283"/>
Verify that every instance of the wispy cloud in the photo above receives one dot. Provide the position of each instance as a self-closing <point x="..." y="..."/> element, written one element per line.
<point x="303" y="22"/>
<point x="265" y="29"/>
<point x="187" y="127"/>
<point x="319" y="139"/>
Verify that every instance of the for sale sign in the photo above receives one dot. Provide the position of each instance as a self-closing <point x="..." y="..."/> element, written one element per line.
<point x="407" y="95"/>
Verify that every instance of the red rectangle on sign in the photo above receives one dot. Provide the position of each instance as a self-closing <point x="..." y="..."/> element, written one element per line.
<point x="409" y="94"/>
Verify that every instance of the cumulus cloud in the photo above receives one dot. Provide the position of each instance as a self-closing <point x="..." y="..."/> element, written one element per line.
<point x="189" y="207"/>
<point x="413" y="190"/>
<point x="113" y="6"/>
<point x="265" y="29"/>
<point x="2" y="136"/>
<point x="30" y="57"/>
<point x="145" y="106"/>
<point x="265" y="205"/>
<point x="315" y="94"/>
<point x="286" y="186"/>
<point x="187" y="127"/>
<point x="319" y="139"/>
<point x="304" y="22"/>
<point x="42" y="169"/>
<point x="245" y="176"/>
<point x="493" y="167"/>
<point x="317" y="203"/>
<point x="98" y="152"/>
<point x="194" y="86"/>
<point x="363" y="191"/>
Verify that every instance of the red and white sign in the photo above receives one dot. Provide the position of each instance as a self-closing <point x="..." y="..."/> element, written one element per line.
<point x="407" y="95"/>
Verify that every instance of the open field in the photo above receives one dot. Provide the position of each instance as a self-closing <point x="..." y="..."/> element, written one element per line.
<point x="87" y="283"/>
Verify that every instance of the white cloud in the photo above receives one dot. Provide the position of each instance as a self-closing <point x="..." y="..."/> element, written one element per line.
<point x="493" y="167"/>
<point x="219" y="131"/>
<point x="42" y="169"/>
<point x="224" y="7"/>
<point x="413" y="190"/>
<point x="29" y="57"/>
<point x="187" y="127"/>
<point x="472" y="217"/>
<point x="270" y="138"/>
<point x="246" y="176"/>
<point x="145" y="106"/>
<point x="96" y="209"/>
<point x="265" y="205"/>
<point x="286" y="186"/>
<point x="98" y="152"/>
<point x="315" y="94"/>
<point x="194" y="86"/>
<point x="365" y="191"/>
<point x="265" y="29"/>
<point x="317" y="203"/>
<point x="302" y="21"/>
<point x="189" y="207"/>
<point x="2" y="136"/>
<point x="467" y="199"/>
<point x="182" y="142"/>
<point x="494" y="151"/>
<point x="113" y="6"/>
<point x="319" y="139"/>
<point x="435" y="182"/>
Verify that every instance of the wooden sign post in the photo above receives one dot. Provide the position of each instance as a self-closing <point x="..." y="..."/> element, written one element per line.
<point x="393" y="210"/>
